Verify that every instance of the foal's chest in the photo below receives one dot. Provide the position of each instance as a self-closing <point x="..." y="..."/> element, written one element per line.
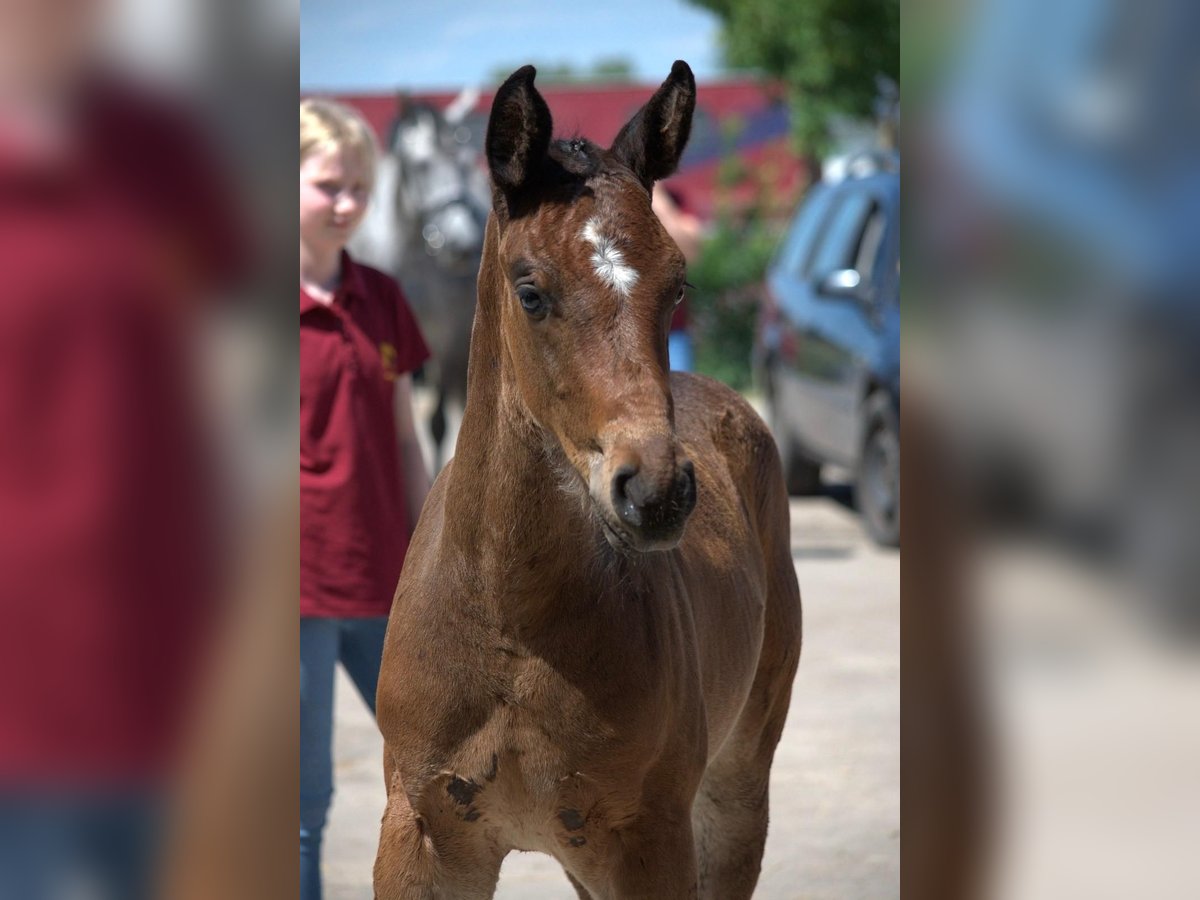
<point x="534" y="802"/>
<point x="555" y="767"/>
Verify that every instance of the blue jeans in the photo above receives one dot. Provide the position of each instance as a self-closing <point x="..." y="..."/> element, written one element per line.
<point x="56" y="843"/>
<point x="679" y="351"/>
<point x="358" y="644"/>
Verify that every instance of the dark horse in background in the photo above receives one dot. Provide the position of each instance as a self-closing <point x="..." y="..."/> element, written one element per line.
<point x="425" y="227"/>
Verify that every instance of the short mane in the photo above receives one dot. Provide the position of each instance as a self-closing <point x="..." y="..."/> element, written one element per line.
<point x="577" y="155"/>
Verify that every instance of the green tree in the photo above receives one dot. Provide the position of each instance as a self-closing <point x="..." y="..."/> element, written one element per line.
<point x="607" y="70"/>
<point x="827" y="54"/>
<point x="725" y="300"/>
<point x="613" y="69"/>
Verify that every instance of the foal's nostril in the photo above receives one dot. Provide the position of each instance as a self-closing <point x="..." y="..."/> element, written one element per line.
<point x="623" y="489"/>
<point x="687" y="487"/>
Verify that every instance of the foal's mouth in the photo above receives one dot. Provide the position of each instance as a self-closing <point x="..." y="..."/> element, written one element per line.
<point x="616" y="539"/>
<point x="631" y="543"/>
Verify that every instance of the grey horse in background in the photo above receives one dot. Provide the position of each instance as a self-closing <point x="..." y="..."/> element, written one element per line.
<point x="425" y="227"/>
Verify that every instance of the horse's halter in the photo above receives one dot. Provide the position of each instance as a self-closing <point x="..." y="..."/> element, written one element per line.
<point x="435" y="189"/>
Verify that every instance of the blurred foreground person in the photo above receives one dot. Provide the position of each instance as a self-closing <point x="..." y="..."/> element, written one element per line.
<point x="945" y="749"/>
<point x="115" y="227"/>
<point x="1054" y="332"/>
<point x="362" y="477"/>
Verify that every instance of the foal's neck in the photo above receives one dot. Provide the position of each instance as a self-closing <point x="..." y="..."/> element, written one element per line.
<point x="510" y="500"/>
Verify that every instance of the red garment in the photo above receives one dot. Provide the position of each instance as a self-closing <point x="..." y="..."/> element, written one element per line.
<point x="354" y="524"/>
<point x="107" y="550"/>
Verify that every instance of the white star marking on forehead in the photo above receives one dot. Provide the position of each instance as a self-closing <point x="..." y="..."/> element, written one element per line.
<point x="608" y="260"/>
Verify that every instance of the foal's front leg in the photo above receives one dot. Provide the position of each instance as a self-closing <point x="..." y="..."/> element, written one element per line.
<point x="654" y="859"/>
<point x="659" y="862"/>
<point x="439" y="856"/>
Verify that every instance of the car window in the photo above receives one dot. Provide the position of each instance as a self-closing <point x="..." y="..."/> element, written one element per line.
<point x="887" y="272"/>
<point x="838" y="245"/>
<point x="796" y="246"/>
<point x="868" y="260"/>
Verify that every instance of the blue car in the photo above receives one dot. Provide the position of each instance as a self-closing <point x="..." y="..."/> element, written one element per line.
<point x="828" y="349"/>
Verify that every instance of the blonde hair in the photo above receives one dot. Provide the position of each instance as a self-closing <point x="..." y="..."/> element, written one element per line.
<point x="325" y="124"/>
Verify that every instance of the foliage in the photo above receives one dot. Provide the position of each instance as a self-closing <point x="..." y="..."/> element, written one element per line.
<point x="614" y="69"/>
<point x="724" y="303"/>
<point x="751" y="213"/>
<point x="827" y="53"/>
<point x="607" y="70"/>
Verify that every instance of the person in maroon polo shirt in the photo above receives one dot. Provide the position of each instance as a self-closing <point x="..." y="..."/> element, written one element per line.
<point x="362" y="478"/>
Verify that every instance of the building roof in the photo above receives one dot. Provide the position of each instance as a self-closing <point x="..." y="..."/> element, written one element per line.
<point x="740" y="116"/>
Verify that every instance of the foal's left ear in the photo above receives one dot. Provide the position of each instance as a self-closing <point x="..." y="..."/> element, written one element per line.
<point x="653" y="140"/>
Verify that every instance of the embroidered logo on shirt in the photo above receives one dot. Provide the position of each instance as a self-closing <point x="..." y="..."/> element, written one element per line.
<point x="387" y="356"/>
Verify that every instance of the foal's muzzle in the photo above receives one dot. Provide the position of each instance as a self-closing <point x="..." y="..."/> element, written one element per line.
<point x="651" y="509"/>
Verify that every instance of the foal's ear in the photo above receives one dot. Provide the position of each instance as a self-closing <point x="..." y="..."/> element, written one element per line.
<point x="518" y="132"/>
<point x="653" y="140"/>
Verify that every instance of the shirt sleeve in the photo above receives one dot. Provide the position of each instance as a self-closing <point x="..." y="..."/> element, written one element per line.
<point x="411" y="350"/>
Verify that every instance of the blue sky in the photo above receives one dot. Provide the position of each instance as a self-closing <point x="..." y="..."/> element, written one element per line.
<point x="385" y="44"/>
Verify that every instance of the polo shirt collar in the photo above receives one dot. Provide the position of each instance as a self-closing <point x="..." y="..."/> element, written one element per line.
<point x="307" y="303"/>
<point x="351" y="286"/>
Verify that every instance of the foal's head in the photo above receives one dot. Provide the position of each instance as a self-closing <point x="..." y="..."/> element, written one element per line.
<point x="590" y="280"/>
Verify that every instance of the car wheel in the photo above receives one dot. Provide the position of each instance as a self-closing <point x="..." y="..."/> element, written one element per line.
<point x="878" y="489"/>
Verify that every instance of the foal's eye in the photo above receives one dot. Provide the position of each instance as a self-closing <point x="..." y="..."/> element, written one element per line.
<point x="531" y="301"/>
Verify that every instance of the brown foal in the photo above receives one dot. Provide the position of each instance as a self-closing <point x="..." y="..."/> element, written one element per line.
<point x="592" y="646"/>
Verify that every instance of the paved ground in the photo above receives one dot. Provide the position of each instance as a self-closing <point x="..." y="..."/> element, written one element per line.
<point x="835" y="787"/>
